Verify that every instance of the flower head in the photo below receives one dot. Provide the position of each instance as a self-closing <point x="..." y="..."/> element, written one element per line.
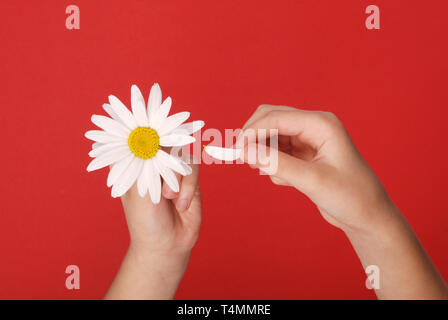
<point x="131" y="142"/>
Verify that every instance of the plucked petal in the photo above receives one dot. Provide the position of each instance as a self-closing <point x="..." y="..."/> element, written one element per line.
<point x="227" y="154"/>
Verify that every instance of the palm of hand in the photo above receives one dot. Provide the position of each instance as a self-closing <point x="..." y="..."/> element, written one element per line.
<point x="161" y="228"/>
<point x="342" y="177"/>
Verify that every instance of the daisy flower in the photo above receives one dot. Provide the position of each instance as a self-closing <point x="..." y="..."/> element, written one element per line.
<point x="131" y="142"/>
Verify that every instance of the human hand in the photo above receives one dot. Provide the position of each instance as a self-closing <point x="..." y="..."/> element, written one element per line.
<point x="170" y="227"/>
<point x="317" y="157"/>
<point x="161" y="239"/>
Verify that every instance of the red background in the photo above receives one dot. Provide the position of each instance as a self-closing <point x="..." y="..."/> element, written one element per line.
<point x="218" y="59"/>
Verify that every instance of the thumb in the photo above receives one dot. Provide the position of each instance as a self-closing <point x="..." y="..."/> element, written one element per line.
<point x="301" y="174"/>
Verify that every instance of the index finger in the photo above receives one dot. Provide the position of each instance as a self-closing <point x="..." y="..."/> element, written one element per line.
<point x="261" y="111"/>
<point x="311" y="126"/>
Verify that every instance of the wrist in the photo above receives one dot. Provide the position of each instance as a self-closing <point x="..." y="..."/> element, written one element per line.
<point x="170" y="264"/>
<point x="377" y="222"/>
<point x="148" y="274"/>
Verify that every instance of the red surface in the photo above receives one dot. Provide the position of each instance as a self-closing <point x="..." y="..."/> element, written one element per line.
<point x="219" y="59"/>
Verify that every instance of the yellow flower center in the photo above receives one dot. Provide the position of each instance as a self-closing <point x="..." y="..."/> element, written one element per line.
<point x="144" y="142"/>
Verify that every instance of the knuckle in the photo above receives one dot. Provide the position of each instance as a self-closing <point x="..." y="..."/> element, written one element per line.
<point x="330" y="120"/>
<point x="333" y="118"/>
<point x="274" y="113"/>
<point x="263" y="107"/>
<point x="274" y="116"/>
<point x="275" y="180"/>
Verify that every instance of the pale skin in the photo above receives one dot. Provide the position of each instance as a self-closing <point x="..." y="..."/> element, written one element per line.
<point x="316" y="157"/>
<point x="161" y="239"/>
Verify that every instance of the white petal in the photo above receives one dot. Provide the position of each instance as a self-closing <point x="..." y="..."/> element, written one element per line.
<point x="96" y="145"/>
<point x="190" y="127"/>
<point x="154" y="100"/>
<point x="165" y="108"/>
<point x="187" y="168"/>
<point x="162" y="113"/>
<point x="171" y="162"/>
<point x="111" y="126"/>
<point x="138" y="107"/>
<point x="108" y="158"/>
<point x="128" y="178"/>
<point x="101" y="136"/>
<point x="103" y="148"/>
<point x="154" y="182"/>
<point x="171" y="123"/>
<point x="142" y="182"/>
<point x="122" y="112"/>
<point x="226" y="154"/>
<point x="111" y="112"/>
<point x="167" y="174"/>
<point x="176" y="140"/>
<point x="118" y="168"/>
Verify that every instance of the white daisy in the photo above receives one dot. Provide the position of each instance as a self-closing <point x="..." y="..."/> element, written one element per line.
<point x="132" y="141"/>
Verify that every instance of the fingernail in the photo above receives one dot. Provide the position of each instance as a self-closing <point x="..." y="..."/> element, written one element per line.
<point x="182" y="205"/>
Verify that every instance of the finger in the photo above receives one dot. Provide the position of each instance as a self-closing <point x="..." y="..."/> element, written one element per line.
<point x="193" y="215"/>
<point x="188" y="188"/>
<point x="262" y="110"/>
<point x="284" y="169"/>
<point x="279" y="182"/>
<point x="135" y="206"/>
<point x="284" y="142"/>
<point x="313" y="127"/>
